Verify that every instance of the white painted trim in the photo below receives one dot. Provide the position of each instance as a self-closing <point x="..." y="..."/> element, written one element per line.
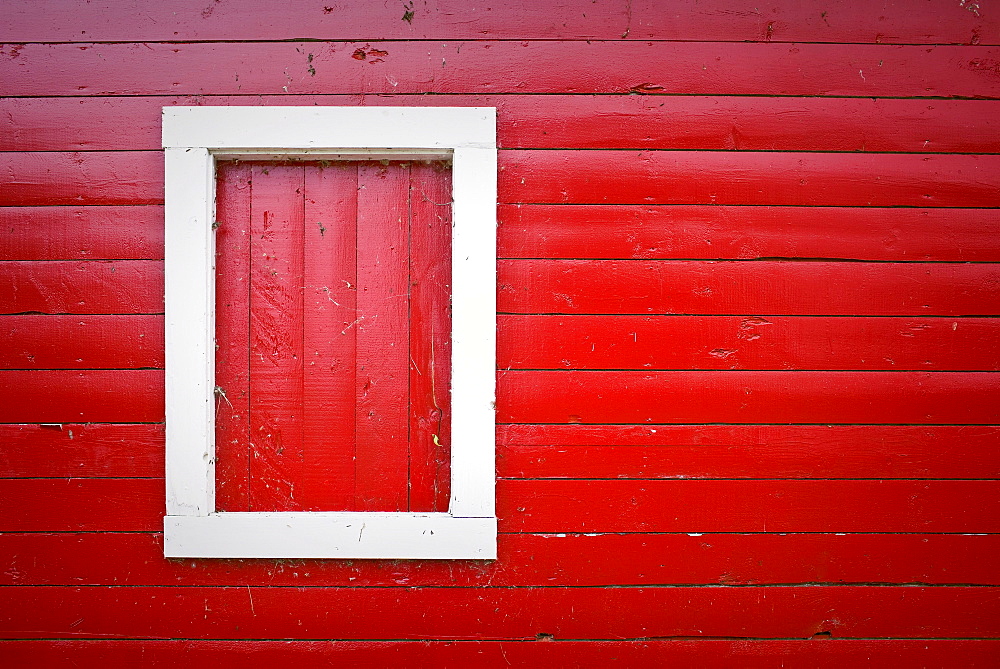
<point x="432" y="536"/>
<point x="193" y="137"/>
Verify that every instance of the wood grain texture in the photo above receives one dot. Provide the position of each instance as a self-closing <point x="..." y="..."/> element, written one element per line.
<point x="748" y="451"/>
<point x="635" y="397"/>
<point x="81" y="450"/>
<point x="586" y="451"/>
<point x="563" y="121"/>
<point x="530" y="560"/>
<point x="587" y="177"/>
<point x="82" y="287"/>
<point x="560" y="506"/>
<point x="750" y="653"/>
<point x="739" y="232"/>
<point x="329" y="393"/>
<point x="92" y="396"/>
<point x="497" y="613"/>
<point x="762" y="288"/>
<point x="81" y="233"/>
<point x="840" y="21"/>
<point x="749" y="506"/>
<point x="232" y="332"/>
<point x="81" y="342"/>
<point x="734" y="342"/>
<point x="724" y="178"/>
<point x="699" y="68"/>
<point x="86" y="178"/>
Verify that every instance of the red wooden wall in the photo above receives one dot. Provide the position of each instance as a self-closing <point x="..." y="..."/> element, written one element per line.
<point x="747" y="405"/>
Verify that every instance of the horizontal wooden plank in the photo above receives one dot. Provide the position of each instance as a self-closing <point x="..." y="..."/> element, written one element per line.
<point x="529" y="560"/>
<point x="546" y="396"/>
<point x="81" y="233"/>
<point x="765" y="288"/>
<point x="748" y="506"/>
<point x="563" y="121"/>
<point x="586" y="177"/>
<point x="498" y="613"/>
<point x="748" y="653"/>
<point x="733" y="342"/>
<point x="81" y="287"/>
<point x="763" y="178"/>
<point x="582" y="342"/>
<point x="481" y="67"/>
<point x="79" y="450"/>
<point x="560" y="506"/>
<point x="73" y="179"/>
<point x="760" y="287"/>
<point x="65" y="396"/>
<point x="635" y="397"/>
<point x="727" y="232"/>
<point x="900" y="21"/>
<point x="586" y="451"/>
<point x="74" y="342"/>
<point x="748" y="451"/>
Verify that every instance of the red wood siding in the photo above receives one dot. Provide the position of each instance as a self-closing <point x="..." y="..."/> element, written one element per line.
<point x="340" y="273"/>
<point x="749" y="333"/>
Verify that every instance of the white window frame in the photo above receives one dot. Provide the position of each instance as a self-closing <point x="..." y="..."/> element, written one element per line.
<point x="193" y="139"/>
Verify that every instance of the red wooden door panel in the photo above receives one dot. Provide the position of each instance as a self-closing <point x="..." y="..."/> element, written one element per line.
<point x="333" y="333"/>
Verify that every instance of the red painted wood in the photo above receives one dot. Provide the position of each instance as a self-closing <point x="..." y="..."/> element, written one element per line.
<point x="693" y="68"/>
<point x="232" y="328"/>
<point x="749" y="506"/>
<point x="84" y="178"/>
<point x="78" y="450"/>
<point x="901" y="21"/>
<point x="577" y="451"/>
<point x="383" y="336"/>
<point x="747" y="397"/>
<point x="683" y="177"/>
<point x="329" y="336"/>
<point x="276" y="337"/>
<point x="430" y="341"/>
<point x="588" y="177"/>
<point x="747" y="653"/>
<point x="98" y="342"/>
<point x="700" y="231"/>
<point x="747" y="451"/>
<point x="530" y="560"/>
<point x="81" y="233"/>
<point x="564" y="121"/>
<point x="330" y="353"/>
<point x="81" y="287"/>
<point x="136" y="505"/>
<point x="764" y="288"/>
<point x="733" y="342"/>
<point x="95" y="396"/>
<point x="520" y="613"/>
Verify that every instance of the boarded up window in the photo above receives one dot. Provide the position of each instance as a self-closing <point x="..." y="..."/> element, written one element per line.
<point x="333" y="336"/>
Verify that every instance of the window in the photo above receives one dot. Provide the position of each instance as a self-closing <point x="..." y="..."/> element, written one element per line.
<point x="198" y="143"/>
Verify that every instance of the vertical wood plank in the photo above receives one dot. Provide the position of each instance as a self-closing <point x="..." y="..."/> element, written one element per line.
<point x="276" y="306"/>
<point x="232" y="325"/>
<point x="328" y="410"/>
<point x="382" y="338"/>
<point x="430" y="336"/>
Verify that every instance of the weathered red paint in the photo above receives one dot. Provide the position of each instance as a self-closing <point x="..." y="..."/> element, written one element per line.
<point x="340" y="274"/>
<point x="499" y="613"/>
<point x="583" y="505"/>
<point x="775" y="227"/>
<point x="534" y="560"/>
<point x="492" y="67"/>
<point x="810" y="653"/>
<point x="563" y="121"/>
